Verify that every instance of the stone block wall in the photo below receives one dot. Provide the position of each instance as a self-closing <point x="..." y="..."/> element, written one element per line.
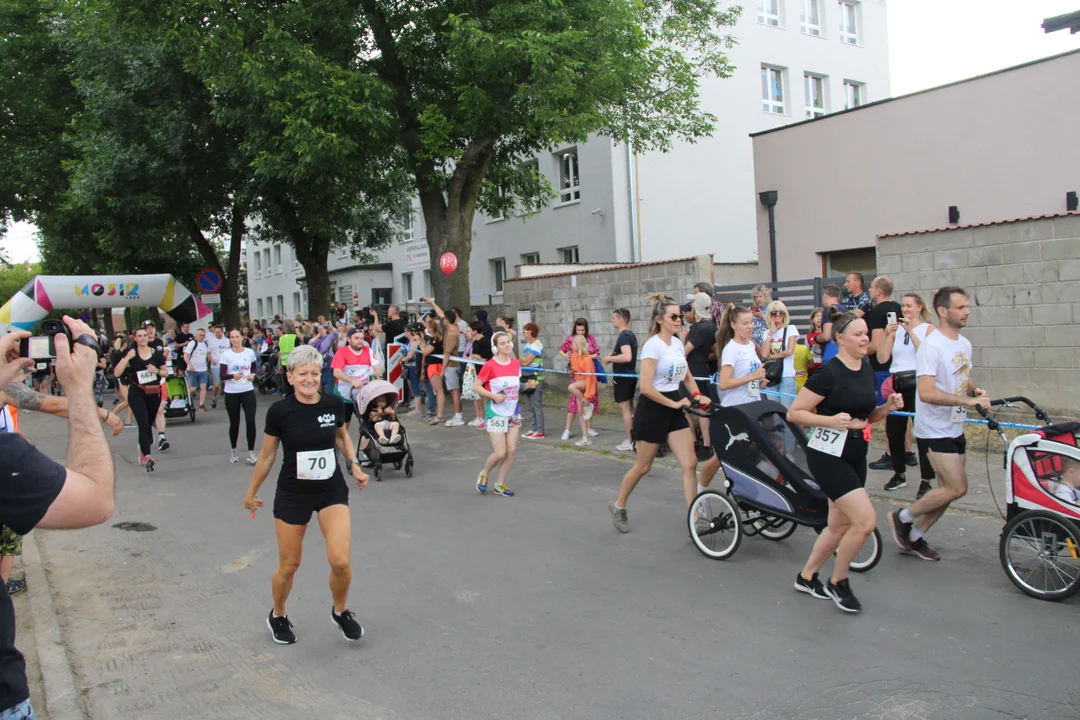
<point x="1025" y="318"/>
<point x="557" y="300"/>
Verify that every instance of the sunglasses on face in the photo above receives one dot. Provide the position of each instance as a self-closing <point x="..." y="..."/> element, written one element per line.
<point x="674" y="316"/>
<point x="777" y="313"/>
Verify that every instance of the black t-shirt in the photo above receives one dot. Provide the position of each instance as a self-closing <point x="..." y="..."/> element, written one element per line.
<point x="845" y="390"/>
<point x="182" y="338"/>
<point x="29" y="483"/>
<point x="393" y="328"/>
<point x="482" y="347"/>
<point x="876" y="320"/>
<point x="137" y="364"/>
<point x="625" y="338"/>
<point x="312" y="431"/>
<point x="703" y="336"/>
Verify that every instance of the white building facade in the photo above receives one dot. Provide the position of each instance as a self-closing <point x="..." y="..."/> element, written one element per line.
<point x="795" y="59"/>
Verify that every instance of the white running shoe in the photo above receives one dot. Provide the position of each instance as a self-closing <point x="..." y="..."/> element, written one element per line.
<point x="252" y="458"/>
<point x="593" y="433"/>
<point x="584" y="442"/>
<point x="477" y="423"/>
<point x="566" y="435"/>
<point x="233" y="458"/>
<point x="625" y="446"/>
<point x="455" y="421"/>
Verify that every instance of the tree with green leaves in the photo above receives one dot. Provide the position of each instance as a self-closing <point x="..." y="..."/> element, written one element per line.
<point x="474" y="88"/>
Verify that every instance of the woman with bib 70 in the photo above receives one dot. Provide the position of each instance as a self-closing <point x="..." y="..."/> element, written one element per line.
<point x="843" y="395"/>
<point x="499" y="382"/>
<point x="310" y="427"/>
<point x="659" y="416"/>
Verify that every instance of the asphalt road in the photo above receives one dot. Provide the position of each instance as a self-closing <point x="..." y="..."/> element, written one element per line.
<point x="530" y="607"/>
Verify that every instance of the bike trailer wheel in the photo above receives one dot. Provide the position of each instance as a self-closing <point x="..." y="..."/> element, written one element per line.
<point x="1040" y="552"/>
<point x="775" y="529"/>
<point x="715" y="525"/>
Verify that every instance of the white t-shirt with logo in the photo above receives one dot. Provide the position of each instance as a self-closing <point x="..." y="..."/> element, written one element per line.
<point x="744" y="361"/>
<point x="670" y="362"/>
<point x="949" y="361"/>
<point x="778" y="343"/>
<point x="903" y="355"/>
<point x="238" y="362"/>
<point x="217" y="347"/>
<point x="197" y="351"/>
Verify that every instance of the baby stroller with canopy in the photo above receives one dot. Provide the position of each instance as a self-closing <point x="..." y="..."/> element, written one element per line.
<point x="769" y="488"/>
<point x="398" y="453"/>
<point x="178" y="402"/>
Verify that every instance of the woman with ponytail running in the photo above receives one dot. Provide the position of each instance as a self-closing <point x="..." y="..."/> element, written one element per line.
<point x="238" y="367"/>
<point x="659" y="416"/>
<point x="143" y="366"/>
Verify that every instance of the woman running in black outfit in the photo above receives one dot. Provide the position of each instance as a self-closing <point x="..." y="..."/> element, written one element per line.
<point x="143" y="366"/>
<point x="842" y="393"/>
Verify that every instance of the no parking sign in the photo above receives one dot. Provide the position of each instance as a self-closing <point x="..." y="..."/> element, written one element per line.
<point x="208" y="280"/>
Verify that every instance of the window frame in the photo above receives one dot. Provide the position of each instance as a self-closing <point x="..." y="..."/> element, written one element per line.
<point x="281" y="306"/>
<point x="377" y="293"/>
<point x="408" y="228"/>
<point x="258" y="263"/>
<point x="407" y="286"/>
<point x="569" y="187"/>
<point x="858" y="88"/>
<point x="764" y="16"/>
<point x="527" y="257"/>
<point x="277" y="259"/>
<point x="496" y="264"/>
<point x="769" y="105"/>
<point x="259" y="306"/>
<point x="572" y="249"/>
<point x="849" y="36"/>
<point x="805" y="26"/>
<point x="809" y="81"/>
<point x="296" y="302"/>
<point x="266" y="262"/>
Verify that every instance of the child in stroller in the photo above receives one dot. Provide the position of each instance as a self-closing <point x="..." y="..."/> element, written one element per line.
<point x="382" y="421"/>
<point x="382" y="438"/>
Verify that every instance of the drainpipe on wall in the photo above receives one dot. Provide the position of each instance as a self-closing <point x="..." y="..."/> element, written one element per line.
<point x="768" y="199"/>
<point x="631" y="183"/>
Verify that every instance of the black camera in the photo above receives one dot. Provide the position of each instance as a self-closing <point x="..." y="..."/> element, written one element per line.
<point x="43" y="346"/>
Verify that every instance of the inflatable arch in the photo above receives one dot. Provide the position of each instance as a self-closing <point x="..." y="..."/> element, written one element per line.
<point x="45" y="293"/>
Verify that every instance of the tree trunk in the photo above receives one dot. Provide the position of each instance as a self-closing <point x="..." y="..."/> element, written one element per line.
<point x="313" y="256"/>
<point x="230" y="307"/>
<point x="109" y="329"/>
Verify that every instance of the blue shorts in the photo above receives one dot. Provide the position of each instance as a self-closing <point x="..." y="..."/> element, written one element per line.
<point x="197" y="378"/>
<point x="22" y="711"/>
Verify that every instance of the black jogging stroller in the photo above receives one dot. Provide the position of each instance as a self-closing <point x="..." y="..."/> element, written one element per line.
<point x="768" y="488"/>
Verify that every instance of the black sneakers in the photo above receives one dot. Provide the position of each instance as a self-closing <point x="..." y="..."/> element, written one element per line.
<point x="911" y="459"/>
<point x="919" y="548"/>
<point x="346" y="622"/>
<point x="895" y="483"/>
<point x="162" y="443"/>
<point x="811" y="587"/>
<point x="842" y="596"/>
<point x="280" y="629"/>
<point x="901" y="531"/>
<point x="924" y="487"/>
<point x="882" y="463"/>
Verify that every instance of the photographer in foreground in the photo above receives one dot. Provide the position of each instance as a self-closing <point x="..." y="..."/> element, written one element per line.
<point x="37" y="492"/>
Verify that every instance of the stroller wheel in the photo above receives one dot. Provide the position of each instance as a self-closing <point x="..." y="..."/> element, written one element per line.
<point x="868" y="554"/>
<point x="776" y="529"/>
<point x="408" y="467"/>
<point x="1040" y="552"/>
<point x="397" y="464"/>
<point x="715" y="525"/>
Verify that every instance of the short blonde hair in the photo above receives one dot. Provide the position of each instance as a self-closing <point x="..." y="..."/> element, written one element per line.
<point x="305" y="355"/>
<point x="777" y="306"/>
<point x="760" y="290"/>
<point x="580" y="345"/>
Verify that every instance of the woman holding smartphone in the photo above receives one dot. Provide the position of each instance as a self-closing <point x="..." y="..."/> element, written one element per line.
<point x="903" y="337"/>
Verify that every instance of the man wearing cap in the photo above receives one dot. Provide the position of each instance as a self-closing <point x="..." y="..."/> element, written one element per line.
<point x="354" y="365"/>
<point x="700" y="357"/>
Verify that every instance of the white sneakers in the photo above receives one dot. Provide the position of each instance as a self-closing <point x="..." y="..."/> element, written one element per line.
<point x="587" y="412"/>
<point x="584" y="442"/>
<point x="566" y="435"/>
<point x="625" y="446"/>
<point x="593" y="433"/>
<point x="477" y="423"/>
<point x="455" y="421"/>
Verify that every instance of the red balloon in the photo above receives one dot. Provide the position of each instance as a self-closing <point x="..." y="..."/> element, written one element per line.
<point x="448" y="263"/>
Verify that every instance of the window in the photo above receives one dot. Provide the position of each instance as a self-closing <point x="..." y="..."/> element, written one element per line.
<point x="281" y="304"/>
<point x="292" y="253"/>
<point x="381" y="296"/>
<point x="814" y="87"/>
<point x="530" y="258"/>
<point x="259" y="308"/>
<point x="427" y="284"/>
<point x="258" y="265"/>
<point x="810" y="18"/>
<point x="568" y="254"/>
<point x="406" y="286"/>
<point x="498" y="269"/>
<point x="768" y="12"/>
<point x="296" y="302"/>
<point x="569" y="185"/>
<point x="344" y="293"/>
<point x="270" y="306"/>
<point x="772" y="89"/>
<point x="344" y="252"/>
<point x="849" y="31"/>
<point x="854" y="94"/>
<point x="407" y="227"/>
<point x="266" y="261"/>
<point x="277" y="258"/>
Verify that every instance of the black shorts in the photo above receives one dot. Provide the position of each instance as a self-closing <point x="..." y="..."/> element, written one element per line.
<point x="837" y="476"/>
<point x="350" y="410"/>
<point x="949" y="446"/>
<point x="624" y="389"/>
<point x="653" y="422"/>
<point x="297" y="508"/>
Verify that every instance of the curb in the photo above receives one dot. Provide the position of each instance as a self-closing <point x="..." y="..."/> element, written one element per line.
<point x="61" y="694"/>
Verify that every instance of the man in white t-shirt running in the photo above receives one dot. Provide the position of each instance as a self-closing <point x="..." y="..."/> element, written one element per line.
<point x="196" y="355"/>
<point x="218" y="343"/>
<point x="945" y="392"/>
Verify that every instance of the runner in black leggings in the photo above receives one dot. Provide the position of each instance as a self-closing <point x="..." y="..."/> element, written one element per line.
<point x="238" y="367"/>
<point x="143" y="367"/>
<point x="843" y="395"/>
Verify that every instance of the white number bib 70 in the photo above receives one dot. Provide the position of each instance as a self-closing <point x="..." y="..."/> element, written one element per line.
<point x="828" y="441"/>
<point x="959" y="414"/>
<point x="498" y="424"/>
<point x="146" y="377"/>
<point x="315" y="465"/>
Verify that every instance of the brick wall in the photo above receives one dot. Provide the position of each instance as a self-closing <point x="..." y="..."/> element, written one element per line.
<point x="557" y="300"/>
<point x="1023" y="278"/>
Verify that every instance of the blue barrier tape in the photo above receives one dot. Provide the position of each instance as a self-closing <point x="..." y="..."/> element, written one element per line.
<point x="715" y="380"/>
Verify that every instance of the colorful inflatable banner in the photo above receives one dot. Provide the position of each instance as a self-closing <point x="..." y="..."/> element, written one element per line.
<point x="45" y="293"/>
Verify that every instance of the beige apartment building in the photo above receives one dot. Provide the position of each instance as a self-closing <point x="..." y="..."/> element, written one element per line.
<point x="996" y="146"/>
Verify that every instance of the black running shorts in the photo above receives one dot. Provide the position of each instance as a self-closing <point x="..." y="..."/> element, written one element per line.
<point x="297" y="508"/>
<point x="947" y="446"/>
<point x="654" y="422"/>
<point x="624" y="388"/>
